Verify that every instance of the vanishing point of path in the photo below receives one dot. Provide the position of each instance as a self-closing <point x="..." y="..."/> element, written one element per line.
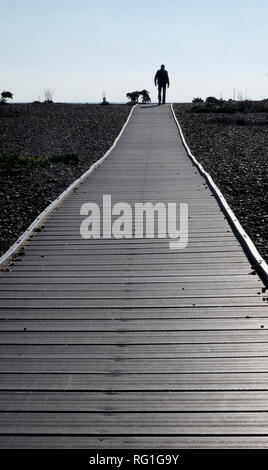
<point x="127" y="343"/>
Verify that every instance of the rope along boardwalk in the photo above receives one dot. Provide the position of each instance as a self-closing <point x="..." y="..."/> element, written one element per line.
<point x="128" y="343"/>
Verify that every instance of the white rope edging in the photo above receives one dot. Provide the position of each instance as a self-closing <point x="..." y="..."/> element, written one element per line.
<point x="46" y="212"/>
<point x="250" y="248"/>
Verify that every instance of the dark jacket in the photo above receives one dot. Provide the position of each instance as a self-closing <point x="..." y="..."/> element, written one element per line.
<point x="161" y="77"/>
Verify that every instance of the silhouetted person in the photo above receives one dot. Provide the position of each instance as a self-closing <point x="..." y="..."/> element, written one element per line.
<point x="162" y="80"/>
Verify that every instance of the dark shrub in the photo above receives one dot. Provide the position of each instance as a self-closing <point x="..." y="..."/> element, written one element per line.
<point x="145" y="96"/>
<point x="6" y="95"/>
<point x="64" y="158"/>
<point x="133" y="96"/>
<point x="212" y="100"/>
<point x="241" y="122"/>
<point x="12" y="163"/>
<point x="104" y="102"/>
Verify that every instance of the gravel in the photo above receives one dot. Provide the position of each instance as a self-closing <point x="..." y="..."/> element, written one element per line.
<point x="43" y="130"/>
<point x="233" y="149"/>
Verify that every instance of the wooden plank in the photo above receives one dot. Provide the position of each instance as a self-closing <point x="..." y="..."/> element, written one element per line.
<point x="136" y="263"/>
<point x="216" y="401"/>
<point x="212" y="230"/>
<point x="131" y="294"/>
<point x="133" y="337"/>
<point x="191" y="268"/>
<point x="134" y="303"/>
<point x="133" y="442"/>
<point x="193" y="237"/>
<point x="126" y="249"/>
<point x="131" y="314"/>
<point x="192" y="324"/>
<point x="119" y="256"/>
<point x="138" y="288"/>
<point x="135" y="382"/>
<point x="54" y="277"/>
<point x="74" y="247"/>
<point x="237" y="423"/>
<point x="134" y="366"/>
<point x="163" y="351"/>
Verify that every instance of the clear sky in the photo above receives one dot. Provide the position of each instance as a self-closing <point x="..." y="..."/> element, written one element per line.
<point x="81" y="47"/>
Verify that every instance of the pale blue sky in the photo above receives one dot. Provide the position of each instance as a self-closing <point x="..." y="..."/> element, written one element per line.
<point x="80" y="48"/>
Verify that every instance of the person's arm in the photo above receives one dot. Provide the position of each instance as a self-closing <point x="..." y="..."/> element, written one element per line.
<point x="156" y="78"/>
<point x="167" y="80"/>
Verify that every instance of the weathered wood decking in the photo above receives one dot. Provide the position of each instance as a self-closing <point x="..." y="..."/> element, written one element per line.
<point x="126" y="343"/>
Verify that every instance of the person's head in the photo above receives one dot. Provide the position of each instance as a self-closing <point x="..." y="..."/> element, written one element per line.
<point x="162" y="67"/>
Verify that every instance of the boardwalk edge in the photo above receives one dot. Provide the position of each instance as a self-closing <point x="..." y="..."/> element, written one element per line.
<point x="258" y="262"/>
<point x="6" y="257"/>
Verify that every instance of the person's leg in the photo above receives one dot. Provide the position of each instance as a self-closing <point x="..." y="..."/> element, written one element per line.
<point x="164" y="94"/>
<point x="159" y="94"/>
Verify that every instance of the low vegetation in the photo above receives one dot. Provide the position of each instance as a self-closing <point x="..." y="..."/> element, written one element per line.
<point x="134" y="96"/>
<point x="10" y="164"/>
<point x="213" y="105"/>
<point x="5" y="95"/>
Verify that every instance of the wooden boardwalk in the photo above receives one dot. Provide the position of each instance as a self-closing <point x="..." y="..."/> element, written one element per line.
<point x="127" y="343"/>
